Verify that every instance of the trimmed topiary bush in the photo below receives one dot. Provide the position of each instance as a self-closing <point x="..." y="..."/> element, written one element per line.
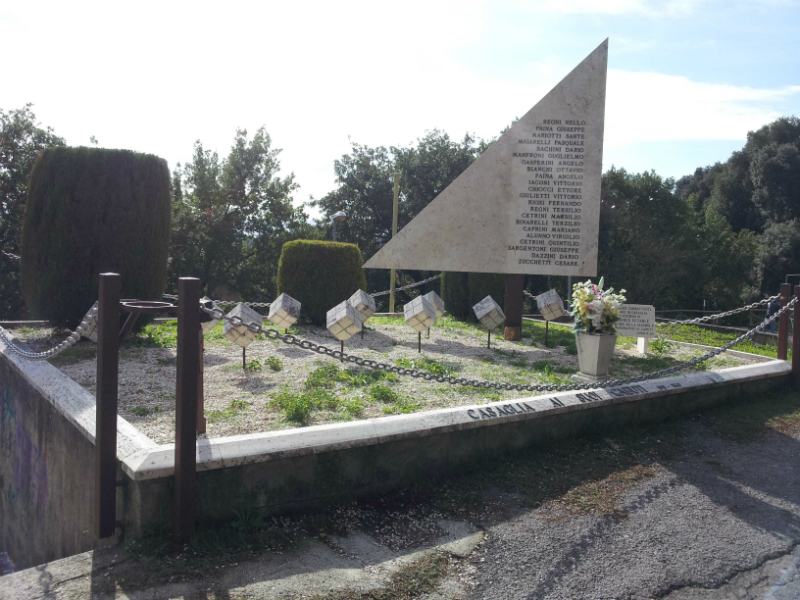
<point x="455" y="293"/>
<point x="320" y="275"/>
<point x="462" y="291"/>
<point x="90" y="211"/>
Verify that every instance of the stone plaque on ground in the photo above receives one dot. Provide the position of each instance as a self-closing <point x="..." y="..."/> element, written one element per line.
<point x="531" y="202"/>
<point x="637" y="320"/>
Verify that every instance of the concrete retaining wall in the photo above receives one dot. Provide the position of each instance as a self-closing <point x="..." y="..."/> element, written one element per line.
<point x="47" y="462"/>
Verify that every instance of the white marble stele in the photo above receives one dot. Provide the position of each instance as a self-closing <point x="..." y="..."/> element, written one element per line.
<point x="530" y="204"/>
<point x="489" y="313"/>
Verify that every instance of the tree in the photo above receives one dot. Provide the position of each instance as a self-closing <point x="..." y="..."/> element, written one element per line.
<point x="21" y="141"/>
<point x="366" y="179"/>
<point x="232" y="216"/>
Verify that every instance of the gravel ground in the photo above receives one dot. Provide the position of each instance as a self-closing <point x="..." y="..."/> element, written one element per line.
<point x="241" y="401"/>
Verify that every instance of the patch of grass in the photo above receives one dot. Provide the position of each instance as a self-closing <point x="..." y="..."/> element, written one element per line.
<point x="253" y="365"/>
<point x="558" y="335"/>
<point x="542" y="365"/>
<point x="298" y="407"/>
<point x="171" y="361"/>
<point x="274" y="363"/>
<point x="599" y="498"/>
<point x="647" y="364"/>
<point x="383" y="394"/>
<point x="143" y="411"/>
<point x="235" y="408"/>
<point x="660" y="345"/>
<point x="513" y="357"/>
<point x="699" y="335"/>
<point x="73" y="355"/>
<point x="554" y="375"/>
<point x="161" y="335"/>
<point x="750" y="420"/>
<point x="322" y="377"/>
<point x="401" y="407"/>
<point x="434" y="367"/>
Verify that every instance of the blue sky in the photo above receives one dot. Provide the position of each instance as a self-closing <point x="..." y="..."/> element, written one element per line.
<point x="687" y="78"/>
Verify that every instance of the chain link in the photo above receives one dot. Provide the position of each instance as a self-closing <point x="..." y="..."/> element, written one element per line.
<point x="408" y="287"/>
<point x="372" y="364"/>
<point x="8" y="254"/>
<point x="723" y="314"/>
<point x="72" y="339"/>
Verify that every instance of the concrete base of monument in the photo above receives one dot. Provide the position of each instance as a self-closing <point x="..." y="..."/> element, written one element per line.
<point x="588" y="378"/>
<point x="512" y="334"/>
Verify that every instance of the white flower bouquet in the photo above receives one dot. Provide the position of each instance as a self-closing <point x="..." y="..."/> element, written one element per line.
<point x="595" y="310"/>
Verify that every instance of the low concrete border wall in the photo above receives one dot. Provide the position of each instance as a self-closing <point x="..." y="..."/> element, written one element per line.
<point x="47" y="425"/>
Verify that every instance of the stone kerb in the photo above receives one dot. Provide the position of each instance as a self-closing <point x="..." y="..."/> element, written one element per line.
<point x="338" y="437"/>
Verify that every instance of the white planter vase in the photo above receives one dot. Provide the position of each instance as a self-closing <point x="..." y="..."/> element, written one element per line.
<point x="594" y="353"/>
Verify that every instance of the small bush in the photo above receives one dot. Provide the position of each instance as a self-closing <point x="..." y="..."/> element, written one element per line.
<point x="274" y="363"/>
<point x="253" y="365"/>
<point x="320" y="275"/>
<point x="90" y="211"/>
<point x="297" y="407"/>
<point x="383" y="394"/>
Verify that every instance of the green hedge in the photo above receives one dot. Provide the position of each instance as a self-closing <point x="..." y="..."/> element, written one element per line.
<point x="89" y="211"/>
<point x="320" y="275"/>
<point x="462" y="291"/>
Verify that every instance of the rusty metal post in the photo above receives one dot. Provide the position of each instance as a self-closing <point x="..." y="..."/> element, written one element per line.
<point x="419" y="342"/>
<point x="186" y="406"/>
<point x="796" y="339"/>
<point x="783" y="323"/>
<point x="512" y="307"/>
<point x="105" y="447"/>
<point x="201" y="398"/>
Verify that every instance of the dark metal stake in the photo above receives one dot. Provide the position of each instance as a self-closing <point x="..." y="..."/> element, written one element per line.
<point x="244" y="358"/>
<point x="783" y="322"/>
<point x="796" y="339"/>
<point x="201" y="397"/>
<point x="546" y="331"/>
<point x="489" y="339"/>
<point x="105" y="448"/>
<point x="186" y="391"/>
<point x="419" y="342"/>
<point x="342" y="347"/>
<point x="429" y="333"/>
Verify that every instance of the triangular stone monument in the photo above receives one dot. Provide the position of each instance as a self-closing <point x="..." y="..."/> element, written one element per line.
<point x="531" y="202"/>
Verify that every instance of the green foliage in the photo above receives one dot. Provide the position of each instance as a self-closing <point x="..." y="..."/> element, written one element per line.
<point x="91" y="211"/>
<point x="232" y="216"/>
<point x="21" y="141"/>
<point x="320" y="275"/>
<point x="161" y="335"/>
<point x="659" y="345"/>
<point x="383" y="394"/>
<point x="234" y="409"/>
<point x="253" y="365"/>
<point x="274" y="363"/>
<point x="455" y="293"/>
<point x="428" y="365"/>
<point x="299" y="406"/>
<point x="462" y="291"/>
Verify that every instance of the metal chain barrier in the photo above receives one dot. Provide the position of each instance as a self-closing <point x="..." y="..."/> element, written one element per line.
<point x="9" y="255"/>
<point x="409" y="286"/>
<point x="372" y="364"/>
<point x="723" y="314"/>
<point x="72" y="339"/>
<point x="268" y="304"/>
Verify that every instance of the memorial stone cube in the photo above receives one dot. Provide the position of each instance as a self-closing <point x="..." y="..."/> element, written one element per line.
<point x="489" y="313"/>
<point x="90" y="331"/>
<point x="420" y="313"/>
<point x="438" y="303"/>
<point x="550" y="305"/>
<point x="208" y="325"/>
<point x="284" y="311"/>
<point x="363" y="303"/>
<point x="241" y="335"/>
<point x="344" y="321"/>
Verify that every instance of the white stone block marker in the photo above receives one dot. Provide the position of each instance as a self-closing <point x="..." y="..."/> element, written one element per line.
<point x="208" y="325"/>
<point x="90" y="331"/>
<point x="550" y="305"/>
<point x="363" y="303"/>
<point x="241" y="335"/>
<point x="490" y="315"/>
<point x="344" y="321"/>
<point x="438" y="303"/>
<point x="419" y="313"/>
<point x="284" y="312"/>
